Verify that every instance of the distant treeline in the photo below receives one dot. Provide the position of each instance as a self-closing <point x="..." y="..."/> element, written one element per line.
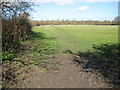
<point x="38" y="23"/>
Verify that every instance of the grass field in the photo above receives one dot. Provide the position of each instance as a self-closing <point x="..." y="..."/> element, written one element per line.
<point x="79" y="37"/>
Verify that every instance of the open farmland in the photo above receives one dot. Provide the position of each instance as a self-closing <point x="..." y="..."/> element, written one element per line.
<point x="79" y="37"/>
<point x="60" y="44"/>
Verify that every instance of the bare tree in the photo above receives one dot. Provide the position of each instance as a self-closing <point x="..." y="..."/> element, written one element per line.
<point x="15" y="8"/>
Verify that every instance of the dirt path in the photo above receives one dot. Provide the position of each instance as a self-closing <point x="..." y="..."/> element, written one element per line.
<point x="67" y="76"/>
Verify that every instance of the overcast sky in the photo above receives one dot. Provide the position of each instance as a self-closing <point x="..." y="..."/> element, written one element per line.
<point x="75" y="9"/>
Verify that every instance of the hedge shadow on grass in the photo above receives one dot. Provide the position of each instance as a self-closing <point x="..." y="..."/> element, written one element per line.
<point x="104" y="58"/>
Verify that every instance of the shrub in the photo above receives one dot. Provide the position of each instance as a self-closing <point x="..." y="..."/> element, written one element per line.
<point x="14" y="30"/>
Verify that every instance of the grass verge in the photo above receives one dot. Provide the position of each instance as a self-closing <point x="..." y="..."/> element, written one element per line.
<point x="37" y="51"/>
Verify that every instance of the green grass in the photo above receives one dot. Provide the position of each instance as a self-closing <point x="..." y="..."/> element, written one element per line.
<point x="79" y="37"/>
<point x="38" y="49"/>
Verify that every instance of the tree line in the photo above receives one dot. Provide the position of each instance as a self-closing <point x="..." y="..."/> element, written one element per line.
<point x="116" y="21"/>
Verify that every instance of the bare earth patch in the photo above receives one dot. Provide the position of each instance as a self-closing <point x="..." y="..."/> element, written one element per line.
<point x="63" y="74"/>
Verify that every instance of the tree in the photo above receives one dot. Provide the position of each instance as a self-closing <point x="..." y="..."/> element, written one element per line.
<point x="15" y="8"/>
<point x="116" y="20"/>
